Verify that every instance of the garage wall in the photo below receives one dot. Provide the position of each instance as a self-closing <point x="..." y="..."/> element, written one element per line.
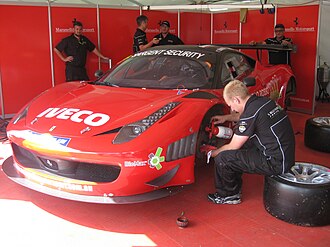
<point x="28" y="48"/>
<point x="301" y="25"/>
<point x="24" y="54"/>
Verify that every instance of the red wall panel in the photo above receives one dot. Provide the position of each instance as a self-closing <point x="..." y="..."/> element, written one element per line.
<point x="156" y="17"/>
<point x="195" y="28"/>
<point x="301" y="25"/>
<point x="258" y="27"/>
<point x="117" y="28"/>
<point x="226" y="28"/>
<point x="24" y="54"/>
<point x="62" y="21"/>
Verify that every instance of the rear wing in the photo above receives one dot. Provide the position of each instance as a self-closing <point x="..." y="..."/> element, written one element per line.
<point x="260" y="47"/>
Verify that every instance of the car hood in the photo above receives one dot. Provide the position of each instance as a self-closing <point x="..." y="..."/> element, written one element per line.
<point x="71" y="108"/>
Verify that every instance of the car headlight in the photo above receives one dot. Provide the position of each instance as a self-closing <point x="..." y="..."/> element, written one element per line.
<point x="133" y="130"/>
<point x="21" y="115"/>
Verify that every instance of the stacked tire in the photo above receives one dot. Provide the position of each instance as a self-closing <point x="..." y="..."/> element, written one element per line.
<point x="300" y="197"/>
<point x="317" y="134"/>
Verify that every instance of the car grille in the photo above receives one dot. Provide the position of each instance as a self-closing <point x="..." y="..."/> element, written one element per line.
<point x="67" y="168"/>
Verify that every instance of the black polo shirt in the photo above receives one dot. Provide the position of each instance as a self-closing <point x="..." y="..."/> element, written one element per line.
<point x="269" y="128"/>
<point x="278" y="57"/>
<point x="76" y="48"/>
<point x="169" y="39"/>
<point x="140" y="38"/>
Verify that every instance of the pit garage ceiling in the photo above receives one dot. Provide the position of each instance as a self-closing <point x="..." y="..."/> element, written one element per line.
<point x="141" y="3"/>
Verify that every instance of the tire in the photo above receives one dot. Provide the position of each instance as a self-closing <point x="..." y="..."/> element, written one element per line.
<point x="300" y="197"/>
<point x="317" y="134"/>
<point x="202" y="138"/>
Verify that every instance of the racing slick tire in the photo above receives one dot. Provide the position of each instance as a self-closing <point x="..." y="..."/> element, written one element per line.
<point x="317" y="134"/>
<point x="301" y="196"/>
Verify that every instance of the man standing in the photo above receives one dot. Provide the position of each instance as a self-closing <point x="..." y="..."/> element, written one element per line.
<point x="166" y="38"/>
<point x="75" y="48"/>
<point x="278" y="57"/>
<point x="140" y="42"/>
<point x="266" y="133"/>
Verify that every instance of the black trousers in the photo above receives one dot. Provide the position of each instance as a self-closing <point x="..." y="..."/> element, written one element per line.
<point x="73" y="73"/>
<point x="231" y="164"/>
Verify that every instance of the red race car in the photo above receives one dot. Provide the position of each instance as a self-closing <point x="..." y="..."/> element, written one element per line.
<point x="133" y="134"/>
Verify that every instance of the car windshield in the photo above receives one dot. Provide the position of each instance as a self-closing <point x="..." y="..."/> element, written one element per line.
<point x="163" y="69"/>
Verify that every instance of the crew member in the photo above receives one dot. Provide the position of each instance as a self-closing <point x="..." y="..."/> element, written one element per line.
<point x="75" y="49"/>
<point x="278" y="57"/>
<point x="166" y="38"/>
<point x="263" y="142"/>
<point x="140" y="42"/>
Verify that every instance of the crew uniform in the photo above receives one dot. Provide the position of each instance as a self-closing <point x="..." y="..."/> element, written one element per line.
<point x="140" y="38"/>
<point x="75" y="70"/>
<point x="169" y="39"/>
<point x="278" y="57"/>
<point x="270" y="149"/>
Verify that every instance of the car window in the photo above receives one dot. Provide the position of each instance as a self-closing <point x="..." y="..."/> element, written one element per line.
<point x="233" y="66"/>
<point x="162" y="72"/>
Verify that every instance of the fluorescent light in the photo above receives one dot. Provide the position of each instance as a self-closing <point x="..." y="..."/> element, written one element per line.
<point x="213" y="7"/>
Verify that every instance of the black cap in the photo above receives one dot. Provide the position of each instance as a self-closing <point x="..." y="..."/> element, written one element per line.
<point x="279" y="26"/>
<point x="165" y="23"/>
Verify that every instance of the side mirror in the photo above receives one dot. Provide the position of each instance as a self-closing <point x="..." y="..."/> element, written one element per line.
<point x="98" y="73"/>
<point x="249" y="81"/>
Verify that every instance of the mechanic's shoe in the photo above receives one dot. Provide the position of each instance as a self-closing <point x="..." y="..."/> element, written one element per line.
<point x="217" y="199"/>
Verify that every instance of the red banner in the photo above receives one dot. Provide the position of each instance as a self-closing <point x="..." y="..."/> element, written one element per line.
<point x="226" y="28"/>
<point x="117" y="28"/>
<point x="301" y="24"/>
<point x="258" y="27"/>
<point x="156" y="17"/>
<point x="195" y="28"/>
<point x="24" y="54"/>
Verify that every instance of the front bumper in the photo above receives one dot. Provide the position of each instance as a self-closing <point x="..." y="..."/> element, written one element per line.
<point x="14" y="172"/>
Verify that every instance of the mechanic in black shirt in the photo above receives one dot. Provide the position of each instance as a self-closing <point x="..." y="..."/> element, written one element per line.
<point x="278" y="57"/>
<point x="140" y="42"/>
<point x="165" y="37"/>
<point x="75" y="48"/>
<point x="263" y="142"/>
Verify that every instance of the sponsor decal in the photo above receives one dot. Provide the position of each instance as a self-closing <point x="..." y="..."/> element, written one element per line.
<point x="274" y="112"/>
<point x="241" y="128"/>
<point x="300" y="29"/>
<point x="76" y="115"/>
<point x="135" y="163"/>
<point x="156" y="30"/>
<point x="59" y="140"/>
<point x="226" y="31"/>
<point x="179" y="53"/>
<point x="299" y="99"/>
<point x="56" y="184"/>
<point x="71" y="30"/>
<point x="271" y="89"/>
<point x="155" y="159"/>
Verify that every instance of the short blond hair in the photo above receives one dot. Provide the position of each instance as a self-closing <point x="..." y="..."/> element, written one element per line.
<point x="236" y="88"/>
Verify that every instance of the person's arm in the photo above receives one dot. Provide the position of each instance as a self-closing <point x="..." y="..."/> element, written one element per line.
<point x="287" y="42"/>
<point x="98" y="53"/>
<point x="236" y="143"/>
<point x="257" y="42"/>
<point x="151" y="43"/>
<point x="233" y="117"/>
<point x="64" y="59"/>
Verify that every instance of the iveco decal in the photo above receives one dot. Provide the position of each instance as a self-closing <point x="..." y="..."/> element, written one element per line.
<point x="76" y="115"/>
